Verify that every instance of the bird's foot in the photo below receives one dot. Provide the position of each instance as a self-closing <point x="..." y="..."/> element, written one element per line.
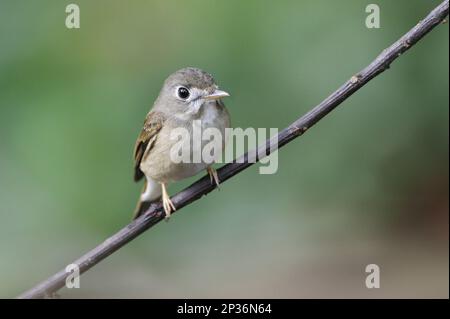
<point x="213" y="176"/>
<point x="168" y="206"/>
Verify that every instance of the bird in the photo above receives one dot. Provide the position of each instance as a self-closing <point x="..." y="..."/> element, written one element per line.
<point x="188" y="97"/>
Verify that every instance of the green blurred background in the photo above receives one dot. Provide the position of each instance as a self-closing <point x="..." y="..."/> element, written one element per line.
<point x="368" y="184"/>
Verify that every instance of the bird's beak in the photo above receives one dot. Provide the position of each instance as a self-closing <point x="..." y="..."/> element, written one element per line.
<point x="217" y="94"/>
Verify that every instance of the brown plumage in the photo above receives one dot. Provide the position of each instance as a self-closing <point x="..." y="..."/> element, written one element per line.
<point x="145" y="141"/>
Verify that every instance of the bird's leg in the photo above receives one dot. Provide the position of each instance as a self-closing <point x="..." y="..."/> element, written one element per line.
<point x="213" y="175"/>
<point x="167" y="203"/>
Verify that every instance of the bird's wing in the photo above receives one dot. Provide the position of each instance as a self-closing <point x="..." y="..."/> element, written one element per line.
<point x="152" y="125"/>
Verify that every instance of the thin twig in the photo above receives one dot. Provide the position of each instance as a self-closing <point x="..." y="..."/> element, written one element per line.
<point x="203" y="186"/>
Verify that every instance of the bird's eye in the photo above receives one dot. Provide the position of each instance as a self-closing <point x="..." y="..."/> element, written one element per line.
<point x="183" y="93"/>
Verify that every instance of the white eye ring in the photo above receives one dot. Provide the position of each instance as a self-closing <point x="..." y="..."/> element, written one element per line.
<point x="183" y="93"/>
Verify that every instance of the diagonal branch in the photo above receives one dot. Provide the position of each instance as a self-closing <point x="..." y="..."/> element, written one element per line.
<point x="203" y="186"/>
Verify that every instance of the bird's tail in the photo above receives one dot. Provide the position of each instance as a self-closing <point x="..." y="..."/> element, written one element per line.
<point x="151" y="192"/>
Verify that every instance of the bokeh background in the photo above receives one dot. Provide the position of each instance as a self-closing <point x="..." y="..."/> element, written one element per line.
<point x="368" y="184"/>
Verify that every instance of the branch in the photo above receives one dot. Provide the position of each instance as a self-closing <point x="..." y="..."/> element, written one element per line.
<point x="203" y="186"/>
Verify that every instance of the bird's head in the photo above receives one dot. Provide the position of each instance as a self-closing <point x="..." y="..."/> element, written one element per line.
<point x="186" y="91"/>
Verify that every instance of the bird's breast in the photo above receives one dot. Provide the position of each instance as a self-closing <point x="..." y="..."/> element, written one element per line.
<point x="160" y="166"/>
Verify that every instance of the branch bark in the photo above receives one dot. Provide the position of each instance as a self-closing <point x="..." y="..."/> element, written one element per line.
<point x="203" y="186"/>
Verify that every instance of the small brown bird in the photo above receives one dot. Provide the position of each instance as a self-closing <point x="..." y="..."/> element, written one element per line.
<point x="188" y="96"/>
